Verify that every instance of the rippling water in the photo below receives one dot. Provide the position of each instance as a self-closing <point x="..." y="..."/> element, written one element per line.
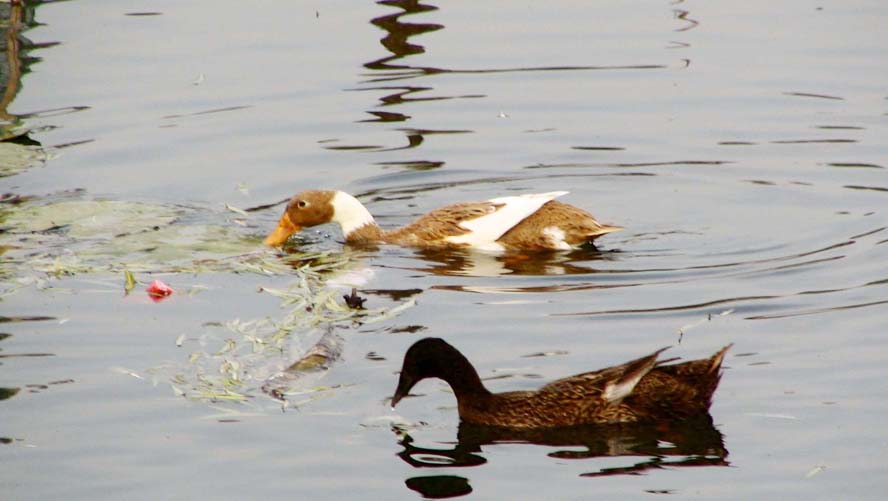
<point x="741" y="145"/>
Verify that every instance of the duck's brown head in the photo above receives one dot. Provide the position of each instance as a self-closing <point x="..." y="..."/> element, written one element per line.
<point x="309" y="208"/>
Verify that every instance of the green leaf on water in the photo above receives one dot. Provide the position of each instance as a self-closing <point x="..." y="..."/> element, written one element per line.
<point x="130" y="282"/>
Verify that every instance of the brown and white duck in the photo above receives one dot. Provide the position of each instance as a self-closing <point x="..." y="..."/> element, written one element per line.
<point x="639" y="391"/>
<point x="526" y="222"/>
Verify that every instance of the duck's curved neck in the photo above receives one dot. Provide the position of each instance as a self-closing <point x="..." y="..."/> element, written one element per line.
<point x="463" y="378"/>
<point x="355" y="220"/>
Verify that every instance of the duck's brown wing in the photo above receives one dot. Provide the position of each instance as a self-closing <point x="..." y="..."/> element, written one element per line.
<point x="578" y="226"/>
<point x="611" y="384"/>
<point x="442" y="223"/>
<point x="592" y="397"/>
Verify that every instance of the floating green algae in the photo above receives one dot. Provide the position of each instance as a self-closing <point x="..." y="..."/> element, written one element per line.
<point x="233" y="360"/>
<point x="45" y="239"/>
<point x="16" y="158"/>
<point x="238" y="360"/>
<point x="90" y="218"/>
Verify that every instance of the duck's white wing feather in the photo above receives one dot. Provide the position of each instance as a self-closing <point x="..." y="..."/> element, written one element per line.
<point x="484" y="231"/>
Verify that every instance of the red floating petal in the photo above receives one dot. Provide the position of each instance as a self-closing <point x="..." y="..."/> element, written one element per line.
<point x="158" y="290"/>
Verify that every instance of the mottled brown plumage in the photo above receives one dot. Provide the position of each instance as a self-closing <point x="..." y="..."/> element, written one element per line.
<point x="579" y="226"/>
<point x="547" y="225"/>
<point x="638" y="391"/>
<point x="431" y="229"/>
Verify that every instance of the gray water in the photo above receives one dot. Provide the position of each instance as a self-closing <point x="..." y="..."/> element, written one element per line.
<point x="742" y="145"/>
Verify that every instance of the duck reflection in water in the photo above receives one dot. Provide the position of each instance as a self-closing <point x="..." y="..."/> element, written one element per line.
<point x="692" y="442"/>
<point x="466" y="262"/>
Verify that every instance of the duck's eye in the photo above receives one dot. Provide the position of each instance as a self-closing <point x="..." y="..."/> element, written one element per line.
<point x="302" y="204"/>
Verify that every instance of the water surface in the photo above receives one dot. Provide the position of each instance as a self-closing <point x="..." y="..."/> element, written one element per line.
<point x="741" y="145"/>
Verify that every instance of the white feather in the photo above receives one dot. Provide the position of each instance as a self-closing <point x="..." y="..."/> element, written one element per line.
<point x="556" y="236"/>
<point x="484" y="231"/>
<point x="614" y="392"/>
<point x="349" y="212"/>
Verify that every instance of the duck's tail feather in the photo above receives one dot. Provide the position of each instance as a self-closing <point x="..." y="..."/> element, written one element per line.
<point x="716" y="360"/>
<point x="632" y="372"/>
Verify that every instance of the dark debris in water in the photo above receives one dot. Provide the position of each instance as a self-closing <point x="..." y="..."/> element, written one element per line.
<point x="354" y="301"/>
<point x="407" y="329"/>
<point x="25" y="318"/>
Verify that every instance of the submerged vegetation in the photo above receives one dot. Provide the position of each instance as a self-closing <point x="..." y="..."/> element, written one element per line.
<point x="241" y="357"/>
<point x="40" y="242"/>
<point x="16" y="158"/>
<point x="231" y="360"/>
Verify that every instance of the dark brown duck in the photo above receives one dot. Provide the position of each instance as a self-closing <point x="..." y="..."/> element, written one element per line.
<point x="639" y="391"/>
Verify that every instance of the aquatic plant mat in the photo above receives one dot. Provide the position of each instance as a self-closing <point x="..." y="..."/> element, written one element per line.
<point x="16" y="158"/>
<point x="237" y="359"/>
<point x="282" y="356"/>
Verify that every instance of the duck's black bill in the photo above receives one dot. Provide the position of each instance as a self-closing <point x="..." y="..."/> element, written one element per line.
<point x="404" y="386"/>
<point x="397" y="396"/>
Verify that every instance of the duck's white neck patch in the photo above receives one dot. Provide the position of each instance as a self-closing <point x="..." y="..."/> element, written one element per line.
<point x="349" y="213"/>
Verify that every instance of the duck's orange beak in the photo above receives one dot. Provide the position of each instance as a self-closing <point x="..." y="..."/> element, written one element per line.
<point x="284" y="229"/>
